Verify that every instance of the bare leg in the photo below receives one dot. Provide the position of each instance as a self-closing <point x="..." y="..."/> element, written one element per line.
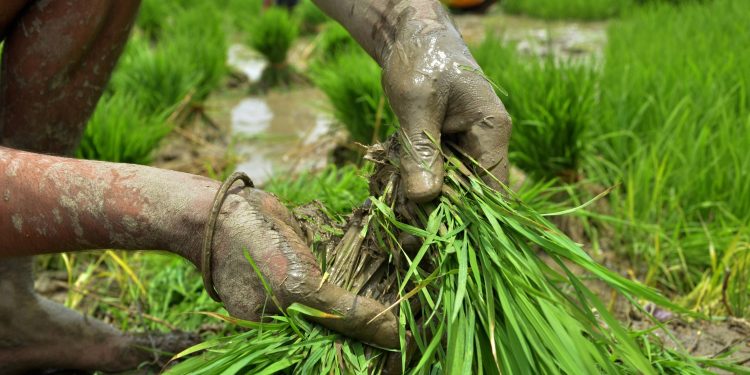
<point x="57" y="58"/>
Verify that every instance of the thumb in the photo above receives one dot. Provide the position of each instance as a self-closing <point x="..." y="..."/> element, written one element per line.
<point x="361" y="318"/>
<point x="421" y="110"/>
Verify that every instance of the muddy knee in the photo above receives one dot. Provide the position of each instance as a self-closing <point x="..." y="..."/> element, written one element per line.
<point x="48" y="91"/>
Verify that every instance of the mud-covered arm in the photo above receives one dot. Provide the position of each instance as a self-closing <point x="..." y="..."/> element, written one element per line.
<point x="434" y="86"/>
<point x="375" y="24"/>
<point x="52" y="204"/>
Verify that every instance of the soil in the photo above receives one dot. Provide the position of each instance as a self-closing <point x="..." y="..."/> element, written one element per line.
<point x="534" y="36"/>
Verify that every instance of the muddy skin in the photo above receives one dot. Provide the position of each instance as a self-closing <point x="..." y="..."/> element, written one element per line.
<point x="433" y="84"/>
<point x="108" y="205"/>
<point x="46" y="96"/>
<point x="48" y="335"/>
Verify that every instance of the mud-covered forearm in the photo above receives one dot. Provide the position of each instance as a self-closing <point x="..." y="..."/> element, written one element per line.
<point x="54" y="204"/>
<point x="377" y="24"/>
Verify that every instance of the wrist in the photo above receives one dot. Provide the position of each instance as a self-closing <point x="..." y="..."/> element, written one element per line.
<point x="379" y="25"/>
<point x="186" y="231"/>
<point x="414" y="25"/>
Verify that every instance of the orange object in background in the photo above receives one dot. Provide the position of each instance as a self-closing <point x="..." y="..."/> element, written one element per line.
<point x="461" y="4"/>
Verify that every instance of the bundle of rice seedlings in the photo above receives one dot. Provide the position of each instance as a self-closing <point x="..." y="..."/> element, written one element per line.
<point x="120" y="130"/>
<point x="490" y="289"/>
<point x="334" y="41"/>
<point x="356" y="95"/>
<point x="197" y="38"/>
<point x="551" y="102"/>
<point x="272" y="35"/>
<point x="309" y="16"/>
<point x="159" y="79"/>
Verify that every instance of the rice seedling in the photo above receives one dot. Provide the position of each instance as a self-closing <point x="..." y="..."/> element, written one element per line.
<point x="477" y="297"/>
<point x="356" y="95"/>
<point x="339" y="189"/>
<point x="120" y="130"/>
<point x="570" y="9"/>
<point x="156" y="78"/>
<point x="152" y="16"/>
<point x="309" y="16"/>
<point x="197" y="39"/>
<point x="551" y="102"/>
<point x="272" y="35"/>
<point x="671" y="133"/>
<point x="334" y="41"/>
<point x="242" y="14"/>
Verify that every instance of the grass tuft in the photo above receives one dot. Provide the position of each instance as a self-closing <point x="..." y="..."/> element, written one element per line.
<point x="120" y="130"/>
<point x="338" y="188"/>
<point x="551" y="103"/>
<point x="272" y="35"/>
<point x="356" y="95"/>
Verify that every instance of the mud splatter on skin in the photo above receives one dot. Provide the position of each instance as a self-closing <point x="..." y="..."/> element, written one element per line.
<point x="17" y="222"/>
<point x="57" y="61"/>
<point x="103" y="205"/>
<point x="433" y="84"/>
<point x="259" y="223"/>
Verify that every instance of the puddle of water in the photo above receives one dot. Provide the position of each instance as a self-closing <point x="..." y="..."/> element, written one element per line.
<point x="279" y="133"/>
<point x="251" y="117"/>
<point x="246" y="61"/>
<point x="276" y="133"/>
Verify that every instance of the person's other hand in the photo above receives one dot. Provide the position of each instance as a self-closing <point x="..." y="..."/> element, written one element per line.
<point x="256" y="221"/>
<point x="438" y="91"/>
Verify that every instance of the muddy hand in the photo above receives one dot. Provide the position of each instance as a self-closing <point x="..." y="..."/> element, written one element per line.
<point x="255" y="221"/>
<point x="438" y="91"/>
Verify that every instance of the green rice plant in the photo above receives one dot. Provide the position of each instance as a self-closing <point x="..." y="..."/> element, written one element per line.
<point x="339" y="189"/>
<point x="170" y="291"/>
<point x="242" y="14"/>
<point x="120" y="130"/>
<point x="272" y="35"/>
<point x="309" y="16"/>
<point x="551" y="103"/>
<point x="725" y="287"/>
<point x="674" y="134"/>
<point x="198" y="39"/>
<point x="569" y="9"/>
<point x="152" y="15"/>
<point x="334" y="41"/>
<point x="185" y="63"/>
<point x="356" y="95"/>
<point x="477" y="297"/>
<point x="157" y="78"/>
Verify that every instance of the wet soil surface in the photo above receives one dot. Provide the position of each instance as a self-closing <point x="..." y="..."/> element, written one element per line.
<point x="534" y="36"/>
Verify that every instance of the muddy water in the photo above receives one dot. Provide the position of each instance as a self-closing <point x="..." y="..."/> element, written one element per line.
<point x="273" y="132"/>
<point x="283" y="131"/>
<point x="537" y="37"/>
<point x="246" y="61"/>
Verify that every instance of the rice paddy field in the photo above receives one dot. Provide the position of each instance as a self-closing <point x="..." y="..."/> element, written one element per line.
<point x="622" y="243"/>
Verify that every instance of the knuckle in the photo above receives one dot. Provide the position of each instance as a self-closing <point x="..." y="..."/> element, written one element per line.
<point x="299" y="285"/>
